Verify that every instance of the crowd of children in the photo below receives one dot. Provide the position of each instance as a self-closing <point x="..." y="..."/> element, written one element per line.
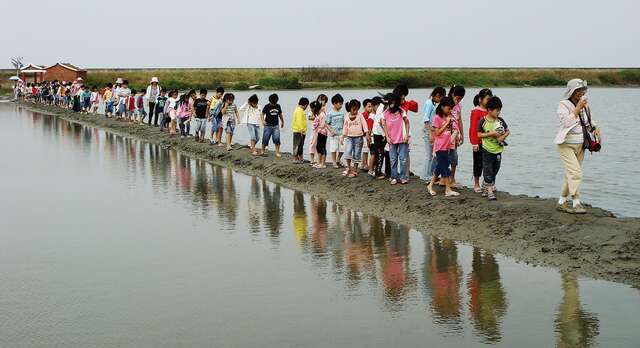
<point x="371" y="136"/>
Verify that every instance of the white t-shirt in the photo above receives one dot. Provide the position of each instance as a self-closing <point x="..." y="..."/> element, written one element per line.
<point x="249" y="114"/>
<point x="377" y="127"/>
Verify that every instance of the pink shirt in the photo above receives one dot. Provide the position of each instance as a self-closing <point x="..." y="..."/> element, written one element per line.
<point x="356" y="127"/>
<point x="442" y="142"/>
<point x="319" y="123"/>
<point x="395" y="125"/>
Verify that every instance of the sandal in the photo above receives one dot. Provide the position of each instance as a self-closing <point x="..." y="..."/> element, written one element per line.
<point x="404" y="182"/>
<point x="431" y="191"/>
<point x="477" y="189"/>
<point x="452" y="194"/>
<point x="393" y="181"/>
<point x="351" y="175"/>
<point x="345" y="173"/>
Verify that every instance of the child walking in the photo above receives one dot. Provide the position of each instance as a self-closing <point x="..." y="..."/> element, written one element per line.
<point x="443" y="128"/>
<point x="379" y="140"/>
<point x="95" y="100"/>
<point x="335" y="122"/>
<point x="230" y="118"/>
<point x="184" y="113"/>
<point x="142" y="114"/>
<point x="322" y="99"/>
<point x="319" y="128"/>
<point x="456" y="93"/>
<point x="273" y="120"/>
<point x="478" y="113"/>
<point x="354" y="131"/>
<point x="493" y="131"/>
<point x="250" y="115"/>
<point x="299" y="128"/>
<point x="160" y="107"/>
<point x="172" y="111"/>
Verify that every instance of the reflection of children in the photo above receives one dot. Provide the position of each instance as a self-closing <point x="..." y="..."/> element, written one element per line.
<point x="492" y="147"/>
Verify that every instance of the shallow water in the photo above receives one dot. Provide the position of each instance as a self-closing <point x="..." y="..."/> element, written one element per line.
<point x="530" y="164"/>
<point x="108" y="241"/>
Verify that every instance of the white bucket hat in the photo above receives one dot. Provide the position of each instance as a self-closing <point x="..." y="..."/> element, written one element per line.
<point x="154" y="79"/>
<point x="573" y="85"/>
<point x="119" y="80"/>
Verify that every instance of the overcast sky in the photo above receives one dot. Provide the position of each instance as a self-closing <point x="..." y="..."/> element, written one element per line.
<point x="295" y="33"/>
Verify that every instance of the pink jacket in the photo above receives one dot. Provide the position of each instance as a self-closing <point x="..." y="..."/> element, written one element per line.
<point x="356" y="127"/>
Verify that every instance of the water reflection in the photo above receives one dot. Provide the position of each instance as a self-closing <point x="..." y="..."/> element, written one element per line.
<point x="575" y="327"/>
<point x="363" y="252"/>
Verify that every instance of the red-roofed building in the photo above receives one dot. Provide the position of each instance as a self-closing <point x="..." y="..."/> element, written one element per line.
<point x="65" y="72"/>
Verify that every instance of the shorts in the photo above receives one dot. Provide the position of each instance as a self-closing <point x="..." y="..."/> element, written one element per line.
<point x="353" y="148"/>
<point x="254" y="132"/>
<point x="271" y="132"/>
<point x="199" y="125"/>
<point x="453" y="157"/>
<point x="334" y="144"/>
<point x="216" y="123"/>
<point x="230" y="127"/>
<point x="443" y="162"/>
<point x="108" y="107"/>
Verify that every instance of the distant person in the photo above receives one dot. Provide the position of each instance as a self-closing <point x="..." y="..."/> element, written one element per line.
<point x="319" y="128"/>
<point x="429" y="111"/>
<point x="107" y="96"/>
<point x="131" y="106"/>
<point x="123" y="94"/>
<point x="142" y="114"/>
<point x="250" y="114"/>
<point x="457" y="93"/>
<point x="492" y="131"/>
<point x="397" y="129"/>
<point x="478" y="112"/>
<point x="95" y="100"/>
<point x="322" y="99"/>
<point x="172" y="111"/>
<point x="273" y="120"/>
<point x="153" y="92"/>
<point x="443" y="127"/>
<point x="574" y="121"/>
<point x="230" y="118"/>
<point x="367" y="158"/>
<point x="184" y="114"/>
<point x="192" y="99"/>
<point x="378" y="138"/>
<point x="215" y="116"/>
<point x="163" y="118"/>
<point x="299" y="129"/>
<point x="335" y="122"/>
<point x="200" y="120"/>
<point x="354" y="132"/>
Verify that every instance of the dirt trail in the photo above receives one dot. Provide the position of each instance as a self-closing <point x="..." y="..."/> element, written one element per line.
<point x="597" y="245"/>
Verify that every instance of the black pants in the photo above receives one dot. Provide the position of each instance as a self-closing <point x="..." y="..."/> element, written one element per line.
<point x="321" y="144"/>
<point x="298" y="144"/>
<point x="379" y="143"/>
<point x="490" y="167"/>
<point x="152" y="114"/>
<point x="477" y="163"/>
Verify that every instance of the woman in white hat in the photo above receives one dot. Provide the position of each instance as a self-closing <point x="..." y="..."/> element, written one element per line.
<point x="153" y="92"/>
<point x="570" y="143"/>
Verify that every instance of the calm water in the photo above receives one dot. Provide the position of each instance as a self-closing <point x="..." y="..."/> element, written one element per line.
<point x="530" y="165"/>
<point x="112" y="242"/>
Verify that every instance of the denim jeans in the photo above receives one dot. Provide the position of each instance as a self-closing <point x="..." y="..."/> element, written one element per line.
<point x="427" y="171"/>
<point x="254" y="132"/>
<point x="398" y="156"/>
<point x="271" y="133"/>
<point x="353" y="149"/>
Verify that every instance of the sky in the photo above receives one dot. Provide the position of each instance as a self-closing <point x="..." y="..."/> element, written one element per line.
<point x="336" y="33"/>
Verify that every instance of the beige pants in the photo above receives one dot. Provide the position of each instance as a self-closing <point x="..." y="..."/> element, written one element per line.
<point x="571" y="156"/>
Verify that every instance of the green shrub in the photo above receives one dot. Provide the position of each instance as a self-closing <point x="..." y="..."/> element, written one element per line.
<point x="280" y="82"/>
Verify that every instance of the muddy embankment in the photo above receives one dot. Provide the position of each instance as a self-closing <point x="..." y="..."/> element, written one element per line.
<point x="528" y="229"/>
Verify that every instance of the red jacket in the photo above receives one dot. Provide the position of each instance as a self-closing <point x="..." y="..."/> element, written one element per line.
<point x="476" y="115"/>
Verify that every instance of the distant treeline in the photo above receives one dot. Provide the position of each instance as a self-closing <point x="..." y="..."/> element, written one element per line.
<point x="325" y="78"/>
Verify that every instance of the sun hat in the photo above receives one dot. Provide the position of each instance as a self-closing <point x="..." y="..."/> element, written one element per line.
<point x="572" y="86"/>
<point x="119" y="80"/>
<point x="154" y="79"/>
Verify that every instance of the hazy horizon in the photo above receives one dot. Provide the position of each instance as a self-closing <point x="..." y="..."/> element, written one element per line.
<point x="332" y="33"/>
